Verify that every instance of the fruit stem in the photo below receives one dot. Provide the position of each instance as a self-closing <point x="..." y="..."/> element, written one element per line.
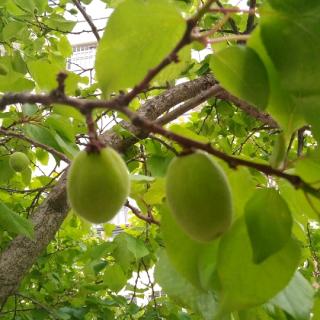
<point x="94" y="145"/>
<point x="185" y="152"/>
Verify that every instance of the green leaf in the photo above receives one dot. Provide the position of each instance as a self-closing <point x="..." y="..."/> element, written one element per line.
<point x="297" y="298"/>
<point x="301" y="206"/>
<point x="42" y="135"/>
<point x="62" y="125"/>
<point x="114" y="278"/>
<point x="179" y="129"/>
<point x="12" y="80"/>
<point x="6" y="171"/>
<point x="246" y="284"/>
<point x="193" y="260"/>
<point x="60" y="23"/>
<point x="13" y="222"/>
<point x="3" y="70"/>
<point x="280" y="105"/>
<point x="136" y="246"/>
<point x="269" y="223"/>
<point x="173" y="71"/>
<point x="156" y="192"/>
<point x="242" y="186"/>
<point x="13" y="30"/>
<point x="44" y="73"/>
<point x="182" y="291"/>
<point x="26" y="176"/>
<point x="42" y="156"/>
<point x="27" y="5"/>
<point x="29" y="109"/>
<point x="308" y="168"/>
<point x="124" y="257"/>
<point x="279" y="152"/>
<point x="241" y="71"/>
<point x="70" y="149"/>
<point x="126" y="53"/>
<point x="291" y="34"/>
<point x="18" y="64"/>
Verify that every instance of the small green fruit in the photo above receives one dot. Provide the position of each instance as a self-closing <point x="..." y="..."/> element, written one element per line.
<point x="18" y="161"/>
<point x="199" y="196"/>
<point x="98" y="185"/>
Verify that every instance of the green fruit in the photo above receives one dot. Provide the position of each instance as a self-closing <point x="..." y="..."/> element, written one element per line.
<point x="18" y="161"/>
<point x="98" y="185"/>
<point x="199" y="196"/>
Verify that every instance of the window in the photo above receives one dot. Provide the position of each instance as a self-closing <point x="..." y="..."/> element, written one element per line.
<point x="82" y="60"/>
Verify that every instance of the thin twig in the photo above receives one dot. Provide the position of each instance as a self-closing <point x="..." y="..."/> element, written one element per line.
<point x="137" y="212"/>
<point x="35" y="143"/>
<point x="25" y="191"/>
<point x="171" y="148"/>
<point x="251" y="16"/>
<point x="35" y="302"/>
<point x="231" y="20"/>
<point x="234" y="37"/>
<point x="87" y="18"/>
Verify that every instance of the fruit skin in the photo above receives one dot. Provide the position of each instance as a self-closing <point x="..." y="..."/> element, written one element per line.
<point x="199" y="196"/>
<point x="98" y="184"/>
<point x="18" y="161"/>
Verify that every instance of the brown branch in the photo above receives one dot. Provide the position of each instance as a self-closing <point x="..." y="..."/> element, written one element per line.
<point x="190" y="104"/>
<point x="10" y="190"/>
<point x="137" y="212"/>
<point x="172" y="149"/>
<point x="233" y="162"/>
<point x="248" y="108"/>
<point x="251" y="16"/>
<point x="35" y="143"/>
<point x="87" y="18"/>
<point x="230" y="20"/>
<point x="37" y="303"/>
<point x="20" y="255"/>
<point x="232" y="10"/>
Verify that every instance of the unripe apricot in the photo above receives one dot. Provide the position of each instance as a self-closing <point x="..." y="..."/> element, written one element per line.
<point x="98" y="184"/>
<point x="18" y="161"/>
<point x="199" y="196"/>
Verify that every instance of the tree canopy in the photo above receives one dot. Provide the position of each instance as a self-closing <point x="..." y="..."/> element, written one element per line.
<point x="225" y="93"/>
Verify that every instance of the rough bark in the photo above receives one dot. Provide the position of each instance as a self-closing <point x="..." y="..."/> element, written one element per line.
<point x="21" y="254"/>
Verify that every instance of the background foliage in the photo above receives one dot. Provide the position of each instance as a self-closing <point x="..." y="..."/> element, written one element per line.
<point x="261" y="123"/>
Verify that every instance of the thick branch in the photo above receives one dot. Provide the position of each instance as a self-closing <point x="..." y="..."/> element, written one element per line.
<point x="190" y="104"/>
<point x="21" y="254"/>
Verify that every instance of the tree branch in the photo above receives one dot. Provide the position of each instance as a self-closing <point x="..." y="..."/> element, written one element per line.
<point x="87" y="18"/>
<point x="248" y="108"/>
<point x="137" y="212"/>
<point x="35" y="143"/>
<point x="20" y="255"/>
<point x="251" y="16"/>
<point x="233" y="162"/>
<point x="190" y="104"/>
